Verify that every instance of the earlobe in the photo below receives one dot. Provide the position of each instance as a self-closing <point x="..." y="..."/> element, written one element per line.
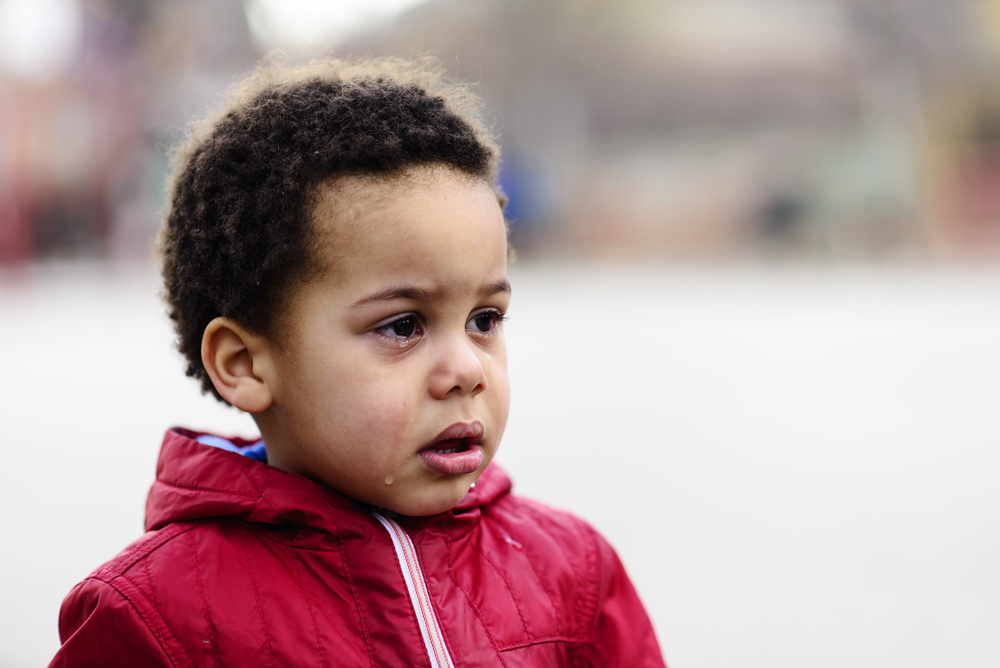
<point x="229" y="354"/>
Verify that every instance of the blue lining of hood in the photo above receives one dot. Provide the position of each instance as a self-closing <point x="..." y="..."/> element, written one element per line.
<point x="253" y="451"/>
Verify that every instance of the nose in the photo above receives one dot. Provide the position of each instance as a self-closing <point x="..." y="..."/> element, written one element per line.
<point x="459" y="368"/>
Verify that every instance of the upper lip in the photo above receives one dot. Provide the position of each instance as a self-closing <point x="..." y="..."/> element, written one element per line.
<point x="471" y="433"/>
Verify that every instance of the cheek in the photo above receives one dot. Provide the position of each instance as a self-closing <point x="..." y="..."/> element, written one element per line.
<point x="349" y="395"/>
<point x="500" y="386"/>
<point x="383" y="406"/>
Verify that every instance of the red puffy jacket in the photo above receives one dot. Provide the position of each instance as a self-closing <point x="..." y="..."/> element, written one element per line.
<point x="246" y="565"/>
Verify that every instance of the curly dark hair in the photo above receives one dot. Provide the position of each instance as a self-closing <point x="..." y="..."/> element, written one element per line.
<point x="237" y="233"/>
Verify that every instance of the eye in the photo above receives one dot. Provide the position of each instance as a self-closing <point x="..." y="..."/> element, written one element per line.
<point x="484" y="322"/>
<point x="402" y="329"/>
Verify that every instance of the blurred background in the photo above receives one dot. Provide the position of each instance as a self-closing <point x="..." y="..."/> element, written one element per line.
<point x="755" y="337"/>
<point x="669" y="128"/>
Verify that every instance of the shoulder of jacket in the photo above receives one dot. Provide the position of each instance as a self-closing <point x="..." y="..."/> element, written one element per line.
<point x="610" y="619"/>
<point x="568" y="557"/>
<point x="570" y="531"/>
<point x="108" y="620"/>
<point x="556" y="537"/>
<point x="130" y="590"/>
<point x="143" y="548"/>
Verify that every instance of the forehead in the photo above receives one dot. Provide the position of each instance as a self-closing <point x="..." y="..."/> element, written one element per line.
<point x="434" y="223"/>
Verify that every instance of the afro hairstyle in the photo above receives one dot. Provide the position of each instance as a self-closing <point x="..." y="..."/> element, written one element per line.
<point x="244" y="181"/>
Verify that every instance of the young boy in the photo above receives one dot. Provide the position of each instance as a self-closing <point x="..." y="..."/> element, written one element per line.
<point x="335" y="260"/>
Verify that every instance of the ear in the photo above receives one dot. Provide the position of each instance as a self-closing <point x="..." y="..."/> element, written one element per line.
<point x="234" y="359"/>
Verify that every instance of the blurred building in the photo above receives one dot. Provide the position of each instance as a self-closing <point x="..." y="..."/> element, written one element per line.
<point x="727" y="127"/>
<point x="681" y="128"/>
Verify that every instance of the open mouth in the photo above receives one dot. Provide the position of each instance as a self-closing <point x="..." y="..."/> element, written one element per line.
<point x="451" y="446"/>
<point x="456" y="451"/>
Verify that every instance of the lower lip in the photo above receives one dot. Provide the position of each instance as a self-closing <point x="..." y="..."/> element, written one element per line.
<point x="454" y="463"/>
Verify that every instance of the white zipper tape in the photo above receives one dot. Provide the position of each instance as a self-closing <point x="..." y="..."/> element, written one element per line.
<point x="416" y="586"/>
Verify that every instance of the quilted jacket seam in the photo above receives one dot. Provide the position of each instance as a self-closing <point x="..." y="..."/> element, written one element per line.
<point x="479" y="614"/>
<point x="517" y="604"/>
<point x="263" y="535"/>
<point x="204" y="600"/>
<point x="591" y="592"/>
<point x="594" y="580"/>
<point x="260" y="490"/>
<point x="529" y="556"/>
<point x="256" y="595"/>
<point x="544" y="640"/>
<point x="202" y="488"/>
<point x="147" y="547"/>
<point x="157" y="632"/>
<point x="312" y="616"/>
<point x="350" y="579"/>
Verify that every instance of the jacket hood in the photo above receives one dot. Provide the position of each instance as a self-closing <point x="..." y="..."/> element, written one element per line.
<point x="196" y="481"/>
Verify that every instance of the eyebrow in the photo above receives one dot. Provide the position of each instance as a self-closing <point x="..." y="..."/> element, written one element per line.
<point x="413" y="293"/>
<point x="502" y="285"/>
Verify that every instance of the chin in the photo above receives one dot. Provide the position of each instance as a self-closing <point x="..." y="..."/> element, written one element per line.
<point x="427" y="504"/>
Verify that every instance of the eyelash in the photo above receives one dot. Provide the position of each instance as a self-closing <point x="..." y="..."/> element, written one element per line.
<point x="388" y="330"/>
<point x="498" y="319"/>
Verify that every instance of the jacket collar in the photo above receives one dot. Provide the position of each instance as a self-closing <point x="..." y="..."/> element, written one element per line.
<point x="197" y="481"/>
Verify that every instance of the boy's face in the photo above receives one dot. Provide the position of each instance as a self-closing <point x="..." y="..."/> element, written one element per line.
<point x="390" y="374"/>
